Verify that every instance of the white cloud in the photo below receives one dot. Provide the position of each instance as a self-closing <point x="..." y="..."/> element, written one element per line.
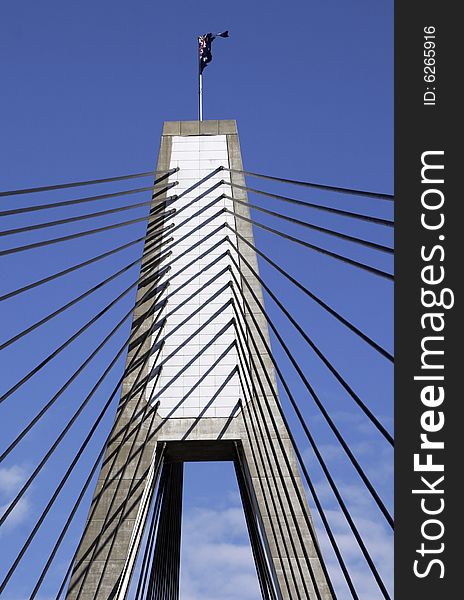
<point x="374" y="531"/>
<point x="216" y="556"/>
<point x="18" y="515"/>
<point x="377" y="461"/>
<point x="11" y="479"/>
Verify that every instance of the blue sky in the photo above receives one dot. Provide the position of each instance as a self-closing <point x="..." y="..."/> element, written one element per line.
<point x="85" y="89"/>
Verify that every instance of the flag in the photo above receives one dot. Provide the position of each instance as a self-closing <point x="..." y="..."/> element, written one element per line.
<point x="204" y="47"/>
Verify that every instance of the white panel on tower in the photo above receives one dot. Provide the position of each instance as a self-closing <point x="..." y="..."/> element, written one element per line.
<point x="199" y="358"/>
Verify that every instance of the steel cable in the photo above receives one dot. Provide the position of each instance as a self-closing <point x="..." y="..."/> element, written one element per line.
<point x="134" y="390"/>
<point x="310" y="294"/>
<point x="130" y="456"/>
<point x="302" y="465"/>
<point x="262" y="569"/>
<point x="253" y="401"/>
<point x="73" y="236"/>
<point x="110" y="438"/>
<point x="57" y="395"/>
<point x="71" y="466"/>
<point x="319" y="404"/>
<point x="283" y="509"/>
<point x="319" y="207"/>
<point x="319" y="457"/>
<point x="65" y="344"/>
<point x="101" y="213"/>
<point x="326" y="230"/>
<point x="61" y="186"/>
<point x="143" y="299"/>
<point x="60" y="437"/>
<point x="69" y="519"/>
<point x="377" y="424"/>
<point x="71" y="269"/>
<point x="146" y="504"/>
<point x="69" y="304"/>
<point x="319" y="249"/>
<point x="264" y="495"/>
<point x="147" y="555"/>
<point x="105" y="254"/>
<point x="77" y="201"/>
<point x="341" y="190"/>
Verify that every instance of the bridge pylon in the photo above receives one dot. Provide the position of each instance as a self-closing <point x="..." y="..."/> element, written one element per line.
<point x="199" y="385"/>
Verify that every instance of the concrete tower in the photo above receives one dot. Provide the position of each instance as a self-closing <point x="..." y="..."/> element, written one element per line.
<point x="192" y="357"/>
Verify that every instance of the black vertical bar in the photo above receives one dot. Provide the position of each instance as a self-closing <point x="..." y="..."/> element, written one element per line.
<point x="164" y="577"/>
<point x="428" y="231"/>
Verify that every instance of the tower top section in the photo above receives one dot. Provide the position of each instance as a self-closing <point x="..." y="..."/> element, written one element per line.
<point x="214" y="127"/>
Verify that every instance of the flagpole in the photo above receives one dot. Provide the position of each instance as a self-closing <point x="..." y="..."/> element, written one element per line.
<point x="200" y="97"/>
<point x="200" y="86"/>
